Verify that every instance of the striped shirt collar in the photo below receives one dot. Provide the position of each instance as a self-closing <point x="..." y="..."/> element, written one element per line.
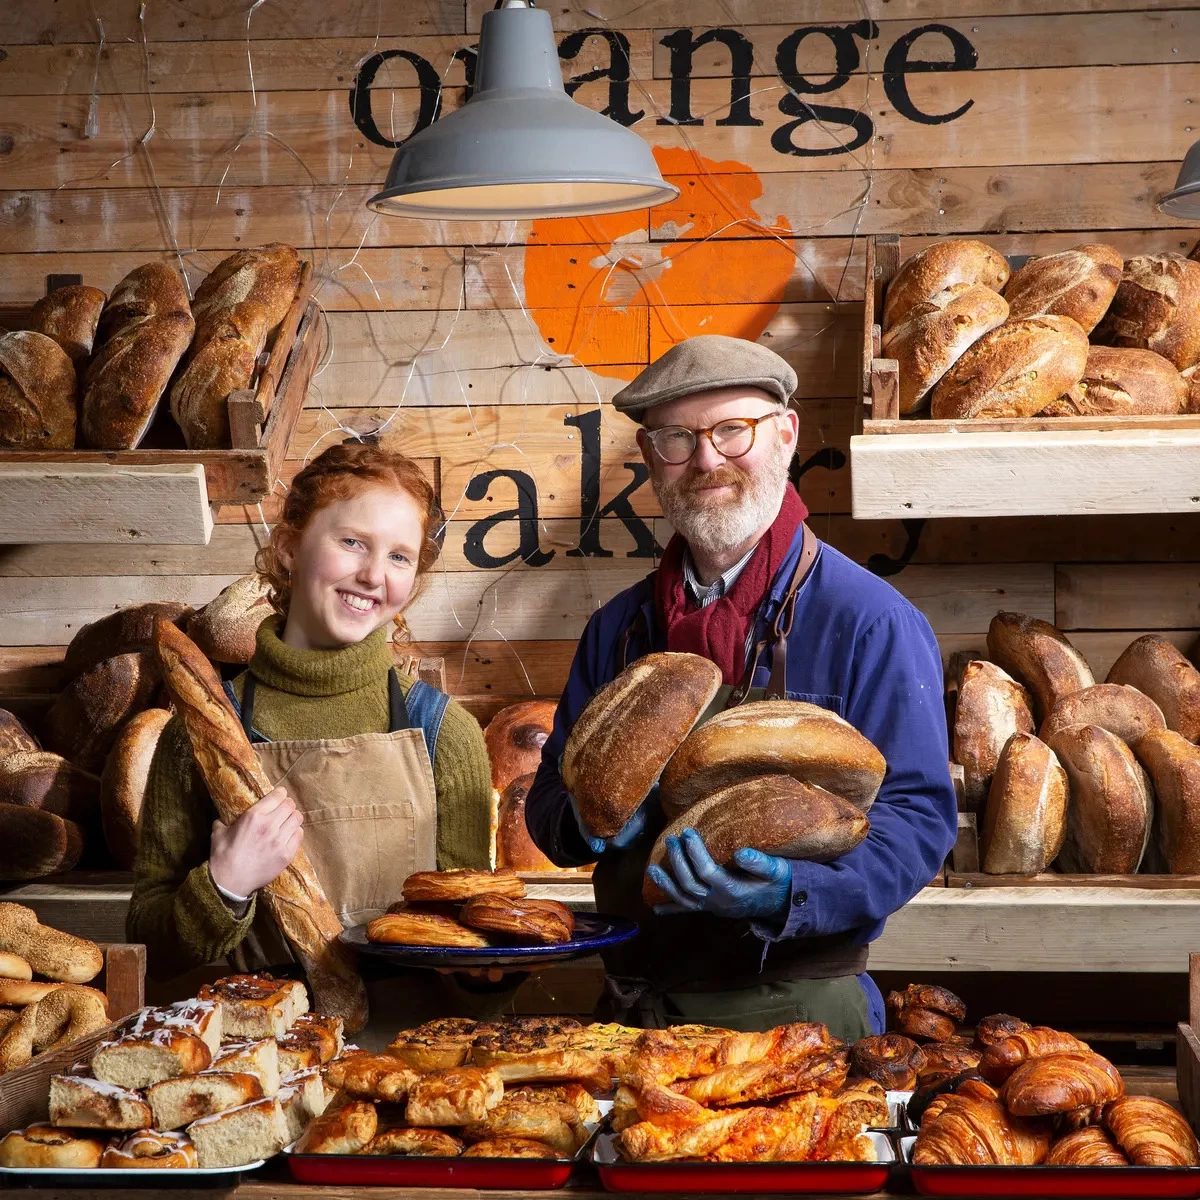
<point x="703" y="595"/>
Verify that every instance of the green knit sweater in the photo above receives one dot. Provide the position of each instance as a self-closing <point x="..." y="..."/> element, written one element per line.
<point x="301" y="694"/>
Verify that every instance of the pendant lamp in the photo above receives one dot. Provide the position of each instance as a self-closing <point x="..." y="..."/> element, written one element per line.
<point x="1184" y="199"/>
<point x="520" y="147"/>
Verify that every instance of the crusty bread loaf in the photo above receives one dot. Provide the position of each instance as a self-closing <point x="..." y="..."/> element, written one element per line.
<point x="1118" y="382"/>
<point x="767" y="737"/>
<point x="1173" y="764"/>
<point x="938" y="267"/>
<point x="1024" y="819"/>
<point x="1191" y="377"/>
<point x="143" y="331"/>
<point x="1039" y="656"/>
<point x="70" y="315"/>
<point x="226" y="628"/>
<point x="991" y="707"/>
<point x="1155" y="667"/>
<point x="1157" y="307"/>
<point x="773" y="813"/>
<point x="34" y="843"/>
<point x="125" y="631"/>
<point x="39" y="394"/>
<point x="235" y="780"/>
<point x="83" y="722"/>
<point x="237" y="307"/>
<point x="628" y="731"/>
<point x="515" y="737"/>
<point x="1119" y="708"/>
<point x="1014" y="371"/>
<point x="1078" y="283"/>
<point x="934" y="335"/>
<point x="514" y="846"/>
<point x="1111" y="809"/>
<point x="82" y="1103"/>
<point x="50" y="952"/>
<point x="123" y="783"/>
<point x="15" y="735"/>
<point x="178" y="1102"/>
<point x="240" y="1135"/>
<point x="41" y="779"/>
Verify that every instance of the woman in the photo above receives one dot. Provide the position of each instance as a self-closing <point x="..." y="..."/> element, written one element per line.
<point x="376" y="774"/>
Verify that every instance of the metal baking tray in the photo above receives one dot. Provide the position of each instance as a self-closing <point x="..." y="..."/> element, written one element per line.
<point x="1178" y="1182"/>
<point x="825" y="1178"/>
<point x="123" y="1176"/>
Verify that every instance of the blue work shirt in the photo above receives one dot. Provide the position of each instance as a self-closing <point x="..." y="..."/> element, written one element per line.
<point x="858" y="648"/>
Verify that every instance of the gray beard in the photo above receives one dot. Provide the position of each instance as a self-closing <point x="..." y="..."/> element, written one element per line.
<point x="719" y="528"/>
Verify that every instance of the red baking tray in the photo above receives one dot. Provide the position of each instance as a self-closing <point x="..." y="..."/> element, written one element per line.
<point x="805" y="1177"/>
<point x="1179" y="1182"/>
<point x="354" y="1170"/>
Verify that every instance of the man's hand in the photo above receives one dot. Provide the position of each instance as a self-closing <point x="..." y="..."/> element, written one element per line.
<point x="624" y="837"/>
<point x="695" y="883"/>
<point x="258" y="846"/>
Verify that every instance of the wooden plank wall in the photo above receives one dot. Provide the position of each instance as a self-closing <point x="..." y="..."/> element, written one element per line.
<point x="793" y="131"/>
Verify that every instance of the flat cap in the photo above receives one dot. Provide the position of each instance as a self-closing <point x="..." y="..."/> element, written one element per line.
<point x="699" y="364"/>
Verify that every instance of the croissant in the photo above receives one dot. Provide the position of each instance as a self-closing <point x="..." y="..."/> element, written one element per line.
<point x="1151" y="1132"/>
<point x="975" y="1088"/>
<point x="971" y="1132"/>
<point x="1059" y="1083"/>
<point x="1087" y="1147"/>
<point x="1002" y="1059"/>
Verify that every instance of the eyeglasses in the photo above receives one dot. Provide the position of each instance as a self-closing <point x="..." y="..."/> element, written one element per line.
<point x="730" y="438"/>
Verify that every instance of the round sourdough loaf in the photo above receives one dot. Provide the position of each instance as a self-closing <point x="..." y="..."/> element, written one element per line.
<point x="1123" y="383"/>
<point x="226" y="628"/>
<point x="1024" y="820"/>
<point x="1119" y="708"/>
<point x="515" y="737"/>
<point x="41" y="779"/>
<point x="783" y="737"/>
<point x="1078" y="283"/>
<point x="122" y="632"/>
<point x="514" y="846"/>
<point x="123" y="783"/>
<point x="629" y="729"/>
<point x="772" y="813"/>
<point x="1039" y="656"/>
<point x="934" y="335"/>
<point x="1174" y="767"/>
<point x="1014" y="371"/>
<point x="1157" y="307"/>
<point x="1192" y="378"/>
<point x="1156" y="668"/>
<point x="34" y="842"/>
<point x="38" y="393"/>
<point x="1109" y="817"/>
<point x="14" y="735"/>
<point x="938" y="267"/>
<point x="70" y="315"/>
<point x="991" y="707"/>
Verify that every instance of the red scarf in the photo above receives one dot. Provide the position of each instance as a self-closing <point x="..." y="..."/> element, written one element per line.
<point x="719" y="632"/>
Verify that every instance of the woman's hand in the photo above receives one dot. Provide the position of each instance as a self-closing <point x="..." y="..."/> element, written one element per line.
<point x="258" y="846"/>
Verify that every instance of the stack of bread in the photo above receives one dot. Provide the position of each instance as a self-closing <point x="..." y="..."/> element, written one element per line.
<point x="1110" y="781"/>
<point x="976" y="340"/>
<point x="467" y="908"/>
<point x="781" y="776"/>
<point x="221" y="1080"/>
<point x="92" y="370"/>
<point x="54" y="1010"/>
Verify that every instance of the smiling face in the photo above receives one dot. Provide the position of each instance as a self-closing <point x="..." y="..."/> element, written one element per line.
<point x="353" y="568"/>
<point x="718" y="503"/>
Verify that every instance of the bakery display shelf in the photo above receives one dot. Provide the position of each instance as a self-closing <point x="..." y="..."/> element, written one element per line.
<point x="165" y="495"/>
<point x="978" y="879"/>
<point x="25" y="1092"/>
<point x="992" y="468"/>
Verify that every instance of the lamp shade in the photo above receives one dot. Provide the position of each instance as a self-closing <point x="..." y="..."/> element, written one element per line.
<point x="520" y="147"/>
<point x="1184" y="199"/>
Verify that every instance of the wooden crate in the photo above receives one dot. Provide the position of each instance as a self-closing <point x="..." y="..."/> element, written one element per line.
<point x="919" y="467"/>
<point x="1187" y="1048"/>
<point x="24" y="1092"/>
<point x="164" y="496"/>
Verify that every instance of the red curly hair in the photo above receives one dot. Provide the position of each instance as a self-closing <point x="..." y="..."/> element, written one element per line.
<point x="339" y="473"/>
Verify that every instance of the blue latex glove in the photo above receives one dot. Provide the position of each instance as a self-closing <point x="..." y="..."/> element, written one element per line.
<point x="760" y="888"/>
<point x="633" y="827"/>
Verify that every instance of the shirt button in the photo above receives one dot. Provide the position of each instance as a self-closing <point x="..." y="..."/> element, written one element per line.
<point x="800" y="899"/>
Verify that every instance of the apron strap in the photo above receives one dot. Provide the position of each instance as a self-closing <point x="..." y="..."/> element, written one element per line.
<point x="397" y="709"/>
<point x="777" y="635"/>
<point x="248" y="705"/>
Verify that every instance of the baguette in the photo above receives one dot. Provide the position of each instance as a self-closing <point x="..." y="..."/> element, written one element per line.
<point x="236" y="781"/>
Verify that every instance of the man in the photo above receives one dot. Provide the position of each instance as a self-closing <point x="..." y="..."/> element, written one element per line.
<point x="769" y="940"/>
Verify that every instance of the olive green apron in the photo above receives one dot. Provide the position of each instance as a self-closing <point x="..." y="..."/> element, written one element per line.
<point x="700" y="967"/>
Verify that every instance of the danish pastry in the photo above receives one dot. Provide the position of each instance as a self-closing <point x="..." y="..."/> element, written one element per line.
<point x="414" y="1143"/>
<point x="343" y="1130"/>
<point x="460" y="1096"/>
<point x="509" y="1147"/>
<point x="42" y="1146"/>
<point x="544" y="921"/>
<point x="456" y="886"/>
<point x="520" y="1037"/>
<point x="372" y="1077"/>
<point x="256" y="1006"/>
<point x="149" y="1148"/>
<point x="413" y="926"/>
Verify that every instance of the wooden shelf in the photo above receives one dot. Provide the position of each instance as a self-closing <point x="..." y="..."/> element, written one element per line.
<point x="978" y="468"/>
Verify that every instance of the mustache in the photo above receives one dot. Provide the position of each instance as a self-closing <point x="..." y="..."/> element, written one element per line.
<point x="724" y="476"/>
